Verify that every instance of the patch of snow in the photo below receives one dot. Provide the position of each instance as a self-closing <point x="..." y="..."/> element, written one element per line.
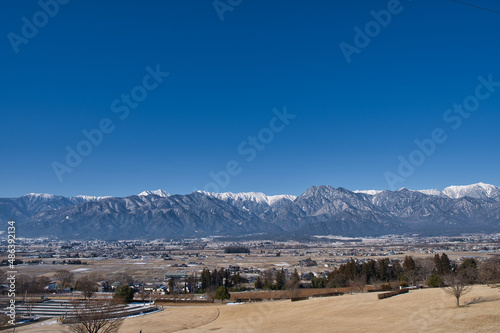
<point x="370" y="192"/>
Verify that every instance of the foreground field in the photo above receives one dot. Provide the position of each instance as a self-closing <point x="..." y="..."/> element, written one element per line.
<point x="427" y="310"/>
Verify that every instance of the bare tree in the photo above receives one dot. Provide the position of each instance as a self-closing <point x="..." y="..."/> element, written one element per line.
<point x="123" y="278"/>
<point x="293" y="284"/>
<point x="87" y="284"/>
<point x="457" y="287"/>
<point x="425" y="267"/>
<point x="360" y="282"/>
<point x="96" y="316"/>
<point x="65" y="278"/>
<point x="489" y="271"/>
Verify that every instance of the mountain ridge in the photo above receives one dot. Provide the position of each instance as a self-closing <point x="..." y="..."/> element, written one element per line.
<point x="319" y="210"/>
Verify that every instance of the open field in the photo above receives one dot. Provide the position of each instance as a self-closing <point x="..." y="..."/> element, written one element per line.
<point x="153" y="269"/>
<point x="429" y="310"/>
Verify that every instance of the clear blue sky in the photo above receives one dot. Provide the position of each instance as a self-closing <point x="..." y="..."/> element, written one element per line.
<point x="226" y="77"/>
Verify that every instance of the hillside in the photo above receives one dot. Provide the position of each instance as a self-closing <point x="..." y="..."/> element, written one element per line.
<point x="429" y="310"/>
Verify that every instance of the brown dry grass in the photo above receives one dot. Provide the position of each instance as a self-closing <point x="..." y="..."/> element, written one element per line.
<point x="427" y="310"/>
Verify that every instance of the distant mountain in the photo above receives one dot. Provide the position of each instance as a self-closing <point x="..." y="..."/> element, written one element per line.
<point x="256" y="202"/>
<point x="321" y="210"/>
<point x="478" y="191"/>
<point x="159" y="193"/>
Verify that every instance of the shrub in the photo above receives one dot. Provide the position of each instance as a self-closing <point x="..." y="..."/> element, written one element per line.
<point x="222" y="293"/>
<point x="435" y="281"/>
<point x="125" y="292"/>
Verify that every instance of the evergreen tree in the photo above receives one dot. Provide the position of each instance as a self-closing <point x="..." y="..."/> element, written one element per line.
<point x="258" y="284"/>
<point x="125" y="292"/>
<point x="280" y="280"/>
<point x="222" y="293"/>
<point x="445" y="264"/>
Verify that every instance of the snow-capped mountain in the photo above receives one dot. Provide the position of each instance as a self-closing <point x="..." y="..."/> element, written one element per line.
<point x="256" y="202"/>
<point x="258" y="197"/>
<point x="86" y="198"/>
<point x="40" y="195"/>
<point x="319" y="210"/>
<point x="432" y="191"/>
<point x="478" y="191"/>
<point x="370" y="192"/>
<point x="159" y="192"/>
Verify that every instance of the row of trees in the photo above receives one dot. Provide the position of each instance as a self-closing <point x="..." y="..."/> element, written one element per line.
<point x="277" y="280"/>
<point x="411" y="271"/>
<point x="212" y="280"/>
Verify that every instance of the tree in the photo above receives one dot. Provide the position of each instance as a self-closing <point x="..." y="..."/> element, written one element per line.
<point x="489" y="271"/>
<point x="206" y="279"/>
<point x="468" y="271"/>
<point x="97" y="316"/>
<point x="171" y="286"/>
<point x="258" y="283"/>
<point x="442" y="264"/>
<point x="318" y="282"/>
<point x="123" y="278"/>
<point x="360" y="282"/>
<point x="268" y="279"/>
<point x="457" y="287"/>
<point x="125" y="293"/>
<point x="409" y="264"/>
<point x="222" y="293"/>
<point x="435" y="281"/>
<point x="280" y="279"/>
<point x="65" y="278"/>
<point x="294" y="284"/>
<point x="410" y="269"/>
<point x="87" y="284"/>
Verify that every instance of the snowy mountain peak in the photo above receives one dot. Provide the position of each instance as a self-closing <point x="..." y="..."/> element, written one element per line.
<point x="89" y="197"/>
<point x="478" y="191"/>
<point x="159" y="192"/>
<point x="369" y="192"/>
<point x="40" y="195"/>
<point x="257" y="197"/>
<point x="432" y="191"/>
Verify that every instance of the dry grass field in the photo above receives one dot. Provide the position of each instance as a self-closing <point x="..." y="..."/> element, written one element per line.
<point x="426" y="310"/>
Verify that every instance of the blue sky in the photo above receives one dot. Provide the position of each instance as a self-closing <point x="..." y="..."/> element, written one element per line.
<point x="352" y="120"/>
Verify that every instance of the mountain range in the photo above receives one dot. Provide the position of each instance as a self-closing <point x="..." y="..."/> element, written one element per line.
<point x="320" y="210"/>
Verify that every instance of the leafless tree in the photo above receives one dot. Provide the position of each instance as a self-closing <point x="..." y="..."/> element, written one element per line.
<point x="87" y="284"/>
<point x="293" y="284"/>
<point x="123" y="278"/>
<point x="457" y="287"/>
<point x="489" y="271"/>
<point x="31" y="284"/>
<point x="65" y="278"/>
<point x="360" y="282"/>
<point x="143" y="295"/>
<point x="95" y="316"/>
<point x="425" y="267"/>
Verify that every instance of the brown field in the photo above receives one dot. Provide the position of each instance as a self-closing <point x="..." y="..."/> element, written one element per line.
<point x="426" y="310"/>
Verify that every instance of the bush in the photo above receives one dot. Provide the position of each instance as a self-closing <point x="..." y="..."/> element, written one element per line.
<point x="125" y="292"/>
<point x="435" y="281"/>
<point x="236" y="249"/>
<point x="222" y="293"/>
<point x="385" y="286"/>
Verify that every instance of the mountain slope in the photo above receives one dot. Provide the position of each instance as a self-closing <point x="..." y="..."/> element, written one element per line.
<point x="320" y="210"/>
